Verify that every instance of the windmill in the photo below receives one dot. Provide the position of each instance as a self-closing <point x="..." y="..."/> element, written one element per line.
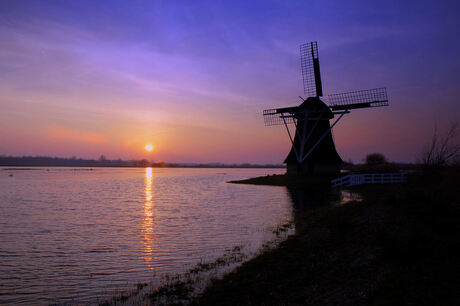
<point x="313" y="150"/>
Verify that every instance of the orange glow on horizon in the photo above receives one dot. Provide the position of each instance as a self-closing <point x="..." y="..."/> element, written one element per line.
<point x="62" y="133"/>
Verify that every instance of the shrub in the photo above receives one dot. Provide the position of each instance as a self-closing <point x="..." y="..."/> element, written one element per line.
<point x="376" y="159"/>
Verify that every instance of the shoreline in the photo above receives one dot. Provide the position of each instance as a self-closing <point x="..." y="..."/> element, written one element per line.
<point x="285" y="180"/>
<point x="399" y="245"/>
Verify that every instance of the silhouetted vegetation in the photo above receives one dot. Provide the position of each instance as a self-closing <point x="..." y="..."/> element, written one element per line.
<point x="179" y="288"/>
<point x="376" y="159"/>
<point x="43" y="161"/>
<point x="444" y="149"/>
<point x="182" y="288"/>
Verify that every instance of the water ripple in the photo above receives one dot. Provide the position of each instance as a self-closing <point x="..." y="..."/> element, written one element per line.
<point x="79" y="236"/>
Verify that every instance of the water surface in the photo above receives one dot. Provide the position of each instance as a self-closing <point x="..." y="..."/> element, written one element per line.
<point x="77" y="235"/>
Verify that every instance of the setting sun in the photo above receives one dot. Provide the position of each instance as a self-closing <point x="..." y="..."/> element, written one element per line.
<point x="149" y="147"/>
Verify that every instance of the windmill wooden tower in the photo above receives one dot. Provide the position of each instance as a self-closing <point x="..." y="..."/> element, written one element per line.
<point x="313" y="150"/>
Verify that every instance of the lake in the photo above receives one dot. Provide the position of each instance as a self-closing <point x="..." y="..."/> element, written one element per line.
<point x="79" y="235"/>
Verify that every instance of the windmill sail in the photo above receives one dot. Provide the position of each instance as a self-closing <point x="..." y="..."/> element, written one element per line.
<point x="359" y="99"/>
<point x="311" y="74"/>
<point x="279" y="116"/>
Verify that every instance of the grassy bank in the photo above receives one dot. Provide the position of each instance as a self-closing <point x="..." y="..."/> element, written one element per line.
<point x="397" y="247"/>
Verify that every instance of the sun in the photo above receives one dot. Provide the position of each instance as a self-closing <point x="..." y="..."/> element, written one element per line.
<point x="149" y="147"/>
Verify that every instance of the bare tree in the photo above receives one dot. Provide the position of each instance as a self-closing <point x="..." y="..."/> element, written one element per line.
<point x="444" y="149"/>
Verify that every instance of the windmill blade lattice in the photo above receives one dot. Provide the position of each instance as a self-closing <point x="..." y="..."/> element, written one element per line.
<point x="279" y="116"/>
<point x="359" y="99"/>
<point x="311" y="75"/>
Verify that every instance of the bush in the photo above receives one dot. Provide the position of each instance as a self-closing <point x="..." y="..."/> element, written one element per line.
<point x="376" y="159"/>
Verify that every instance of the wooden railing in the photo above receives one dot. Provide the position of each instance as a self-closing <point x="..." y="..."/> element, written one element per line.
<point x="369" y="178"/>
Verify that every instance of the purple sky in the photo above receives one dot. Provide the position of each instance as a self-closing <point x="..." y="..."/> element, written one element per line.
<point x="85" y="78"/>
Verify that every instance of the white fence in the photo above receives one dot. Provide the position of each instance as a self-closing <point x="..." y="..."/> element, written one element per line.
<point x="369" y="178"/>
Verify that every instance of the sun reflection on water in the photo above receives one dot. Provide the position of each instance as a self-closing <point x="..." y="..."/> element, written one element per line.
<point x="147" y="220"/>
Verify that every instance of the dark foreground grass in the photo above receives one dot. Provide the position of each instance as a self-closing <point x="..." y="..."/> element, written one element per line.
<point x="400" y="246"/>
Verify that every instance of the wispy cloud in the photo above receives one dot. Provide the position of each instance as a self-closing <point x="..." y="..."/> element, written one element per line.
<point x="68" y="135"/>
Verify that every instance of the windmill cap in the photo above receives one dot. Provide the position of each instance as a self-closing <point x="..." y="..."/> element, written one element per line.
<point x="314" y="105"/>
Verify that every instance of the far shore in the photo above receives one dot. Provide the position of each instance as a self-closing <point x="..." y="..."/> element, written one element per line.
<point x="33" y="167"/>
<point x="40" y="161"/>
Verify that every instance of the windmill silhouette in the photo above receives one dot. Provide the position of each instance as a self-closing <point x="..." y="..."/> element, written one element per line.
<point x="313" y="150"/>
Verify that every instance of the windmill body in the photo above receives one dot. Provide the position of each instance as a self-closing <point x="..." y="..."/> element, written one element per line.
<point x="313" y="150"/>
<point x="324" y="159"/>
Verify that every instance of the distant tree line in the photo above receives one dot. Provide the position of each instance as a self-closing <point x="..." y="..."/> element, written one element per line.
<point x="62" y="162"/>
<point x="43" y="161"/>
